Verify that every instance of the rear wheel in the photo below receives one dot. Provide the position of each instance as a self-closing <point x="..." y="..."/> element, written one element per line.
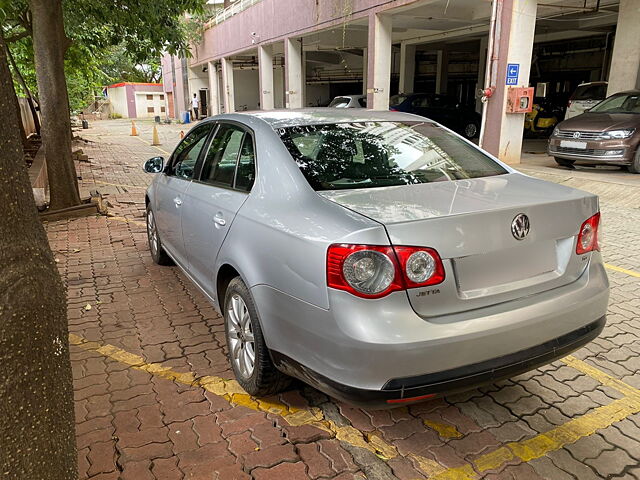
<point x="158" y="254"/>
<point x="635" y="164"/>
<point x="564" y="163"/>
<point x="248" y="353"/>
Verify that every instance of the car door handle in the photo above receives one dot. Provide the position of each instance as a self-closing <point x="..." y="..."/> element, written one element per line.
<point x="219" y="221"/>
<point x="177" y="201"/>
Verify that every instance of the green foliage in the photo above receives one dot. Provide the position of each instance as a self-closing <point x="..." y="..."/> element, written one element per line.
<point x="110" y="41"/>
<point x="115" y="115"/>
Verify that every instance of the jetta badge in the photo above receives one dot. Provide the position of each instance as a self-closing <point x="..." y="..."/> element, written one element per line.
<point x="520" y="226"/>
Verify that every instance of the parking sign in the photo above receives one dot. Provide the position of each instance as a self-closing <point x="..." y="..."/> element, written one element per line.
<point x="513" y="69"/>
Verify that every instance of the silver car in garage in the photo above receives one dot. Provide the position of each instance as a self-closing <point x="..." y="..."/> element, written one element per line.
<point x="377" y="256"/>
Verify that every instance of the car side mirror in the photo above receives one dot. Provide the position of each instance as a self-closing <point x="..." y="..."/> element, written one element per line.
<point x="154" y="165"/>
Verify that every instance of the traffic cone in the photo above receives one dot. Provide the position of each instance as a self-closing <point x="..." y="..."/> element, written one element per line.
<point x="156" y="138"/>
<point x="181" y="134"/>
<point x="134" y="130"/>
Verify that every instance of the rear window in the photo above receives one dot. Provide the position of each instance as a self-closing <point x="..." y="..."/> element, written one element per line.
<point x="397" y="99"/>
<point x="340" y="102"/>
<point x="381" y="154"/>
<point x="590" y="92"/>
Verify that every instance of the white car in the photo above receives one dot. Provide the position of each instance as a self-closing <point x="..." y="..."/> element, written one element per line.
<point x="586" y="96"/>
<point x="349" y="101"/>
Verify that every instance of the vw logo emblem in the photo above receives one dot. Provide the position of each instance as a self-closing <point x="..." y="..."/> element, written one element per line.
<point x="520" y="226"/>
<point x="576" y="134"/>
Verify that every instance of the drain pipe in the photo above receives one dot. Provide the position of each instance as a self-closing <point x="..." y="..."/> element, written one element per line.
<point x="493" y="52"/>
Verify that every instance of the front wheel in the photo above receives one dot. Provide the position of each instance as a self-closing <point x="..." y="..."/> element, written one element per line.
<point x="470" y="130"/>
<point x="158" y="254"/>
<point x="635" y="164"/>
<point x="564" y="163"/>
<point x="248" y="353"/>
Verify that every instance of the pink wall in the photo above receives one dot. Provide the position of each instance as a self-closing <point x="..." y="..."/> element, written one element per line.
<point x="273" y="20"/>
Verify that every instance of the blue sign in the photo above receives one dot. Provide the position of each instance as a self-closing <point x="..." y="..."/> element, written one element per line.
<point x="513" y="69"/>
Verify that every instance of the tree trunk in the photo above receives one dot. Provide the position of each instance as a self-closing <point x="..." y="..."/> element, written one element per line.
<point x="49" y="46"/>
<point x="37" y="437"/>
<point x="23" y="84"/>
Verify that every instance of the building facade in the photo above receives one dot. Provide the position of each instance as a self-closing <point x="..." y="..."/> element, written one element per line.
<point x="137" y="100"/>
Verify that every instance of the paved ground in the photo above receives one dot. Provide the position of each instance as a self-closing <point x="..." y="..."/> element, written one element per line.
<point x="154" y="397"/>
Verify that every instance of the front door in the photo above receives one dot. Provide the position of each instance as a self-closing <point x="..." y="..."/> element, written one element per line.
<point x="171" y="186"/>
<point x="212" y="202"/>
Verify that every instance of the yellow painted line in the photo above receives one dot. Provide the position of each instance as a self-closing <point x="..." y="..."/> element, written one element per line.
<point x="631" y="273"/>
<point x="602" y="377"/>
<point x="231" y="391"/>
<point x="444" y="429"/>
<point x="154" y="146"/>
<point x="119" y="184"/>
<point x="126" y="220"/>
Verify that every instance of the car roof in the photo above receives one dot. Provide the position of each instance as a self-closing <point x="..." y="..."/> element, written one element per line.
<point x="320" y="116"/>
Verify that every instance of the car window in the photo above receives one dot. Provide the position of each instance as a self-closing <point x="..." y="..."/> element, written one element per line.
<point x="420" y="102"/>
<point x="397" y="99"/>
<point x="363" y="102"/>
<point x="246" y="172"/>
<point x="380" y="154"/>
<point x="340" y="102"/>
<point x="220" y="163"/>
<point x="619" y="103"/>
<point x="590" y="92"/>
<point x="186" y="155"/>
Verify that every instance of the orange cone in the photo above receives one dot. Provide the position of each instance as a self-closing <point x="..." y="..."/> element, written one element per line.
<point x="134" y="130"/>
<point x="156" y="138"/>
<point x="181" y="134"/>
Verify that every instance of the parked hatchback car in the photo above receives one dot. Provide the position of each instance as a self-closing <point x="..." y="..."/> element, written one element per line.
<point x="375" y="255"/>
<point x="349" y="101"/>
<point x="441" y="108"/>
<point x="586" y="96"/>
<point x="608" y="134"/>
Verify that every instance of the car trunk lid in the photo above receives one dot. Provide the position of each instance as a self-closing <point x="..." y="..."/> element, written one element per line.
<point x="469" y="222"/>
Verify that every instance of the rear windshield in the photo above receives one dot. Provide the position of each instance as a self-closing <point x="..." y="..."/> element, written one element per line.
<point x="340" y="102"/>
<point x="381" y="154"/>
<point x="397" y="99"/>
<point x="620" y="103"/>
<point x="590" y="92"/>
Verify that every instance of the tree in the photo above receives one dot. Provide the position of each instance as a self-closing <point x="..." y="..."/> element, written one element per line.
<point x="37" y="434"/>
<point x="50" y="44"/>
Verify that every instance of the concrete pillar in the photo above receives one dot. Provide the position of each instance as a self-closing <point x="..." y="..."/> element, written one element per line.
<point x="407" y="67"/>
<point x="294" y="74"/>
<point x="442" y="71"/>
<point x="265" y="67"/>
<point x="625" y="61"/>
<point x="502" y="132"/>
<point x="482" y="68"/>
<point x="214" y="89"/>
<point x="365" y="67"/>
<point x="379" y="62"/>
<point x="227" y="86"/>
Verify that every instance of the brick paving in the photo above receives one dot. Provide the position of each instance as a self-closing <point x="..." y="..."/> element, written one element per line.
<point x="135" y="424"/>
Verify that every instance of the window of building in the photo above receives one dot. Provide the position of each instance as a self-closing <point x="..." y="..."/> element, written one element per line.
<point x="161" y="97"/>
<point x="149" y="97"/>
<point x="161" y="109"/>
<point x="150" y="109"/>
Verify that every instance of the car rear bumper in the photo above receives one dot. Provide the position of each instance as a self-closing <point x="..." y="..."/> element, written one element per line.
<point x="402" y="391"/>
<point x="383" y="346"/>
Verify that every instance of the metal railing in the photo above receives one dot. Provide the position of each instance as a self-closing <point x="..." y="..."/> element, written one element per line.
<point x="231" y="10"/>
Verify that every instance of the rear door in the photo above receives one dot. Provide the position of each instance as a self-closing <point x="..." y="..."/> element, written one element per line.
<point x="171" y="186"/>
<point x="211" y="202"/>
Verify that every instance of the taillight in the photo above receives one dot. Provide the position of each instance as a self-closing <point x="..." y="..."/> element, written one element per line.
<point x="372" y="271"/>
<point x="588" y="235"/>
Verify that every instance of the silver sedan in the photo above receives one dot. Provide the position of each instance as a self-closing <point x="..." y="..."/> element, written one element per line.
<point x="377" y="256"/>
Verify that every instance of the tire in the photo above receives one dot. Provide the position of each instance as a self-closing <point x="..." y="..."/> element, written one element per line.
<point x="470" y="130"/>
<point x="564" y="162"/>
<point x="635" y="163"/>
<point x="158" y="254"/>
<point x="245" y="340"/>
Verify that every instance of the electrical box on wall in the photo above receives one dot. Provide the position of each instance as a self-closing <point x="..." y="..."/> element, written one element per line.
<point x="519" y="99"/>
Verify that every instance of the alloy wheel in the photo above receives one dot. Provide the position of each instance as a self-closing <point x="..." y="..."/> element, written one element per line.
<point x="241" y="340"/>
<point x="152" y="232"/>
<point x="470" y="130"/>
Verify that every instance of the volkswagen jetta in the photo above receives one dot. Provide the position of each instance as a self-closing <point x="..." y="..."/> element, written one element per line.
<point x="375" y="255"/>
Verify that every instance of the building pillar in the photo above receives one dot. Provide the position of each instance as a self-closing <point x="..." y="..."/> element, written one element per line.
<point x="214" y="89"/>
<point x="379" y="61"/>
<point x="294" y="75"/>
<point x="365" y="67"/>
<point x="407" y="67"/>
<point x="502" y="132"/>
<point x="265" y="68"/>
<point x="482" y="68"/>
<point x="442" y="71"/>
<point x="227" y="86"/>
<point x="625" y="61"/>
